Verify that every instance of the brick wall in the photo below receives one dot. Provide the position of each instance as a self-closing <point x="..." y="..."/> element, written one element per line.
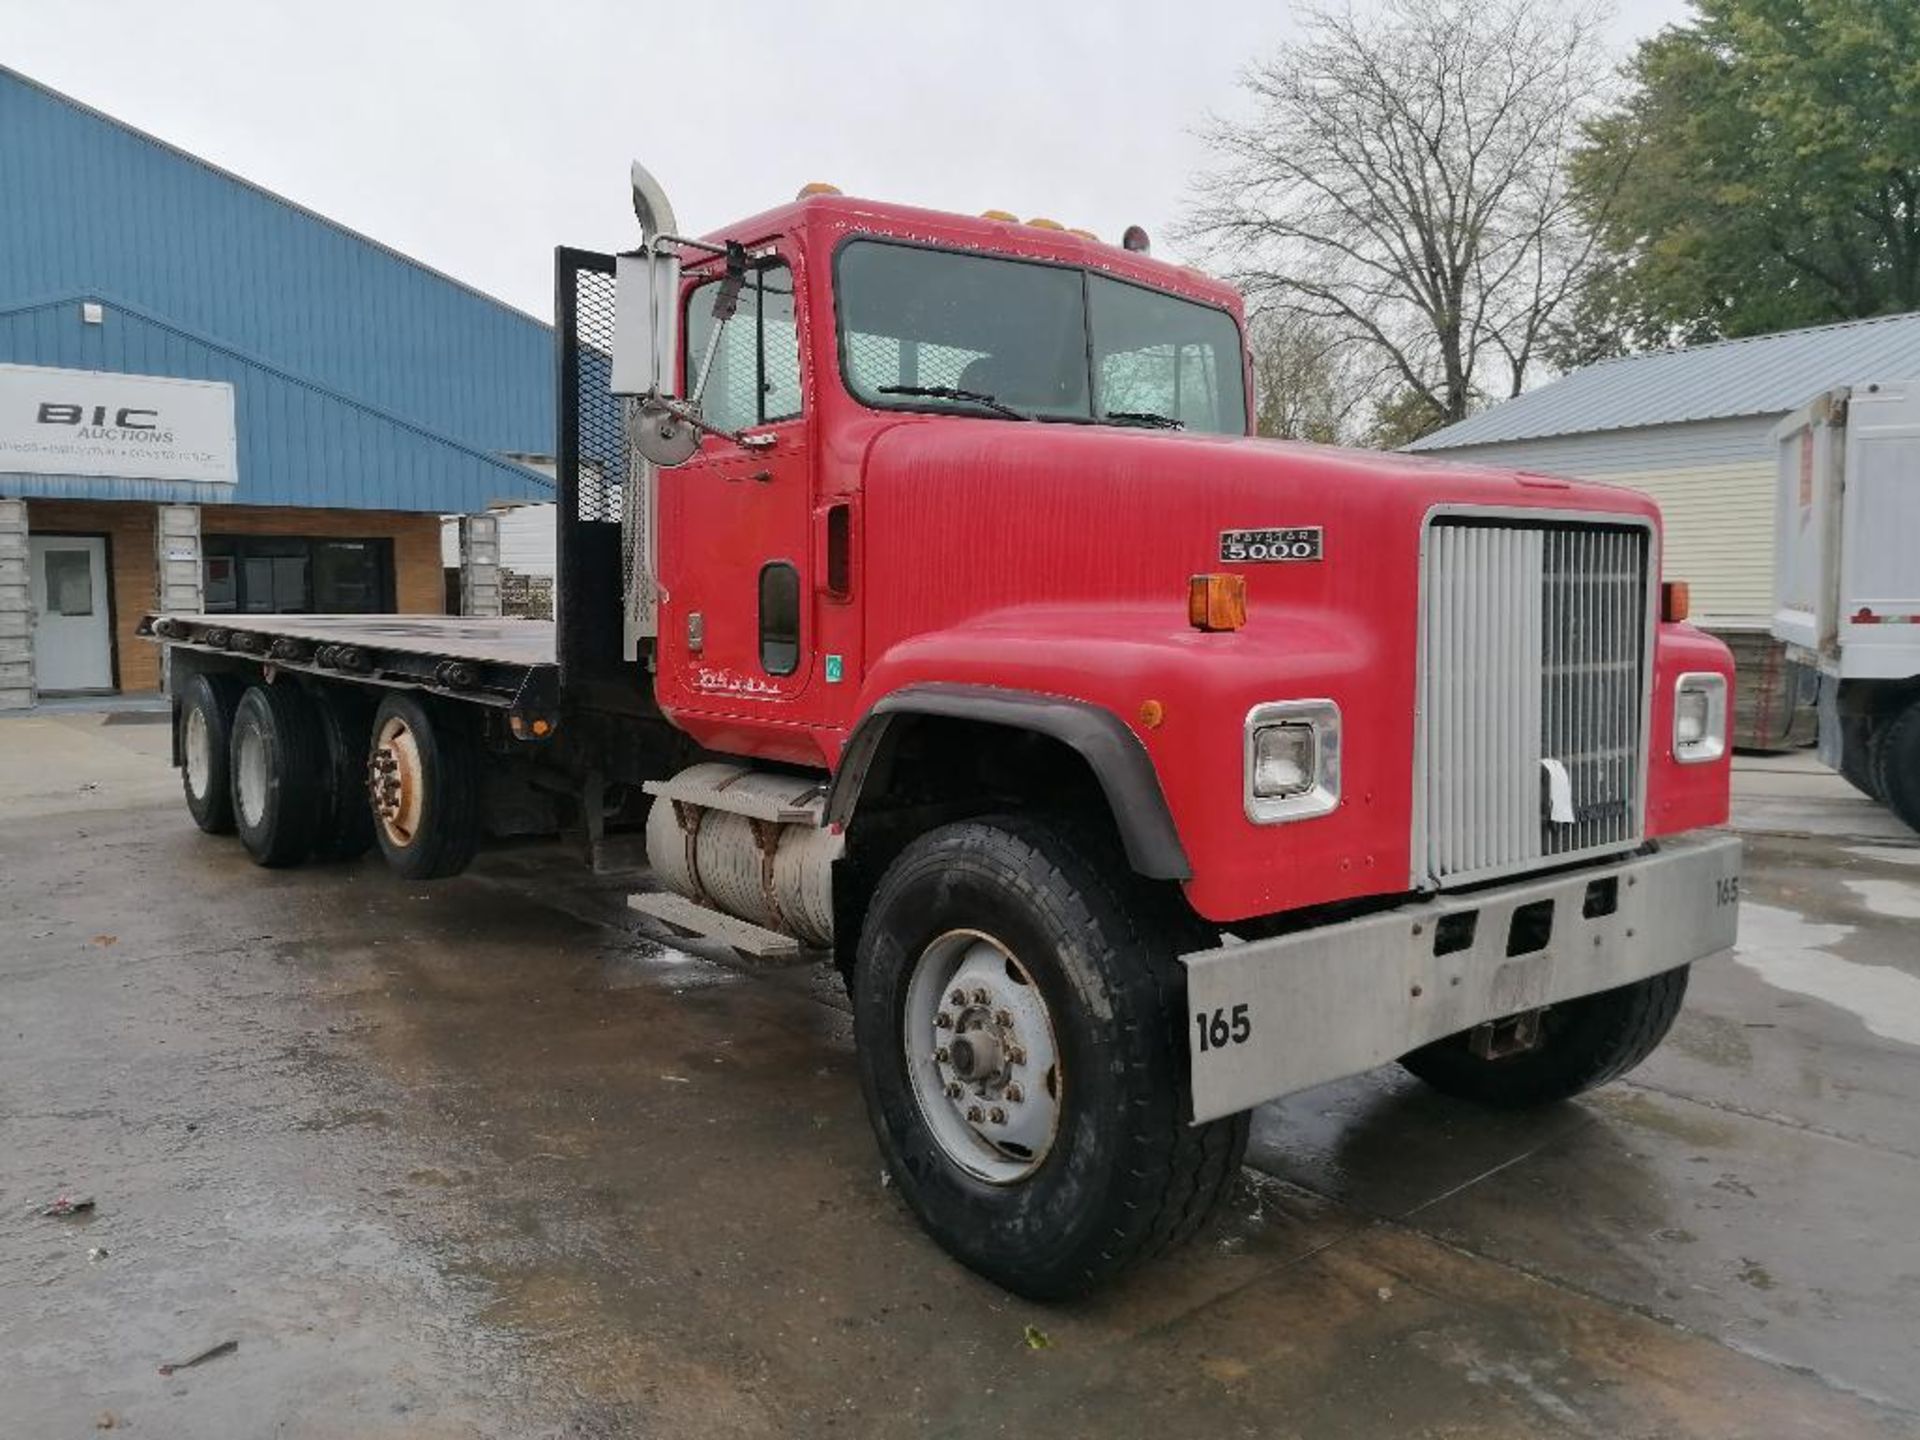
<point x="419" y="588"/>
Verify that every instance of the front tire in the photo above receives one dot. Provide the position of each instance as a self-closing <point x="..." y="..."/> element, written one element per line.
<point x="278" y="765"/>
<point x="1584" y="1043"/>
<point x="1039" y="1130"/>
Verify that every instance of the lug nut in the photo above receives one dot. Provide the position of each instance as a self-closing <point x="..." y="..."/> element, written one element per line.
<point x="941" y="1054"/>
<point x="980" y="997"/>
<point x="973" y="1114"/>
<point x="997" y="1115"/>
<point x="1002" y="1018"/>
<point x="953" y="1090"/>
<point x="1017" y="1054"/>
<point x="943" y="1021"/>
<point x="959" y="997"/>
<point x="1015" y="1094"/>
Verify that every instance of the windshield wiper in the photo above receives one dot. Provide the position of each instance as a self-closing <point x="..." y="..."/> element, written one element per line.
<point x="953" y="392"/>
<point x="1153" y="420"/>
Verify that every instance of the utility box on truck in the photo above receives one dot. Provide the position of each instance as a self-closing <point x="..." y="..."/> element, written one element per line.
<point x="1847" y="578"/>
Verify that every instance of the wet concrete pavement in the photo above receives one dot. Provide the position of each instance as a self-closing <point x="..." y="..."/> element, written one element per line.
<point x="483" y="1158"/>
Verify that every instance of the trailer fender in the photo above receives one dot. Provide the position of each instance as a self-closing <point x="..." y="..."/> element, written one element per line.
<point x="1115" y="755"/>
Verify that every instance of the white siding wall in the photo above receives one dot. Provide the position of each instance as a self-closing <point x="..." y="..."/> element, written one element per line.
<point x="527" y="540"/>
<point x="1713" y="480"/>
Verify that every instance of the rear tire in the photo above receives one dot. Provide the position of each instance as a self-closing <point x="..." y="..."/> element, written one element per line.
<point x="207" y="703"/>
<point x="1859" y="756"/>
<point x="1084" y="1012"/>
<point x="278" y="764"/>
<point x="425" y="780"/>
<point x="1897" y="765"/>
<point x="346" y="826"/>
<point x="1583" y="1043"/>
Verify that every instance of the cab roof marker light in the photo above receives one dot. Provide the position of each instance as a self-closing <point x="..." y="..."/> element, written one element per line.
<point x="1003" y="215"/>
<point x="817" y="187"/>
<point x="1040" y="222"/>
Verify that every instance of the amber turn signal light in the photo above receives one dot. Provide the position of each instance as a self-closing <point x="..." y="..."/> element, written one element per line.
<point x="1675" y="600"/>
<point x="1217" y="602"/>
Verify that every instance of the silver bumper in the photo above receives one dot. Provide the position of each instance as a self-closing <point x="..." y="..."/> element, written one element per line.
<point x="1274" y="1016"/>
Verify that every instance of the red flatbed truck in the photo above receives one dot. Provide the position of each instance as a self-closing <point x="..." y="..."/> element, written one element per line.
<point x="925" y="596"/>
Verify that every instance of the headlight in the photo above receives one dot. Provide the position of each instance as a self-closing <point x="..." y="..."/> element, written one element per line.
<point x="1699" y="718"/>
<point x="1292" y="760"/>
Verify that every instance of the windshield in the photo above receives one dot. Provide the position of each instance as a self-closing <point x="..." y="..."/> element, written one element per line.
<point x="980" y="334"/>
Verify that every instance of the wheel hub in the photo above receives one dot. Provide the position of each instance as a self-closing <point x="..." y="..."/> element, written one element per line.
<point x="199" y="752"/>
<point x="980" y="1046"/>
<point x="395" y="780"/>
<point x="250" y="764"/>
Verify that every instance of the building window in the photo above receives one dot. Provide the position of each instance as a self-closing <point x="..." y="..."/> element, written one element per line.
<point x="70" y="582"/>
<point x="275" y="574"/>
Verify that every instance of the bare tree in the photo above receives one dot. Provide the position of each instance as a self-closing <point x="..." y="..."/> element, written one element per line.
<point x="1305" y="378"/>
<point x="1403" y="182"/>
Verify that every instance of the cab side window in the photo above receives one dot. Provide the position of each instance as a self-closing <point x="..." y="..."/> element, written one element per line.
<point x="756" y="371"/>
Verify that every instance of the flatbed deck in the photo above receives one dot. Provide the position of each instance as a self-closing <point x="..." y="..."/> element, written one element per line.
<point x="458" y="637"/>
<point x="497" y="662"/>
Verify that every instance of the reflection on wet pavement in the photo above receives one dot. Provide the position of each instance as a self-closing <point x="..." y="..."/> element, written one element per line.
<point x="482" y="1158"/>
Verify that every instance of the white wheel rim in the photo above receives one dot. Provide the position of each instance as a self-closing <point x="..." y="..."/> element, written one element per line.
<point x="982" y="1057"/>
<point x="199" y="752"/>
<point x="250" y="771"/>
<point x="396" y="780"/>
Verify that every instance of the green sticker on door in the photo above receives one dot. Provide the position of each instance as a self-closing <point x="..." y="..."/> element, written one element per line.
<point x="833" y="669"/>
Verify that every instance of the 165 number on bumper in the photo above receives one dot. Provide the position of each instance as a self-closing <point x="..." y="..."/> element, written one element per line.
<point x="1221" y="1028"/>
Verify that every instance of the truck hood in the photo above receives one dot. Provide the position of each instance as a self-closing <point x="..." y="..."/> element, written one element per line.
<point x="1004" y="513"/>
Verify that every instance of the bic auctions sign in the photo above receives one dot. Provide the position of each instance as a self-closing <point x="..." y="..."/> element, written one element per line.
<point x="96" y="422"/>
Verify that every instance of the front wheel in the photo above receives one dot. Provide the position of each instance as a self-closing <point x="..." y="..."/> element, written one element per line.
<point x="1582" y="1044"/>
<point x="1022" y="1052"/>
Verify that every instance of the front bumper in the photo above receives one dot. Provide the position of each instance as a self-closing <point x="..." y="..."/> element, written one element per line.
<point x="1271" y="1017"/>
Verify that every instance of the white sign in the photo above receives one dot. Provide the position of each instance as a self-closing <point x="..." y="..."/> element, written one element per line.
<point x="96" y="422"/>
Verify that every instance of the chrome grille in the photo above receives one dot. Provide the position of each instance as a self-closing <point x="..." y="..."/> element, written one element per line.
<point x="1532" y="650"/>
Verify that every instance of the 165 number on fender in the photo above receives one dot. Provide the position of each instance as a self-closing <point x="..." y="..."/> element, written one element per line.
<point x="1222" y="1027"/>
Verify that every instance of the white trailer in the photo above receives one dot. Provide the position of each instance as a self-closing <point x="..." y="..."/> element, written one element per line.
<point x="1847" y="578"/>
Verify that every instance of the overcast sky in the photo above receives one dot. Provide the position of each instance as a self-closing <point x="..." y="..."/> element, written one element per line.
<point x="477" y="135"/>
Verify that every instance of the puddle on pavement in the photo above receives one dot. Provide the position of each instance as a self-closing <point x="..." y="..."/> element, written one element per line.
<point x="1791" y="952"/>
<point x="1895" y="899"/>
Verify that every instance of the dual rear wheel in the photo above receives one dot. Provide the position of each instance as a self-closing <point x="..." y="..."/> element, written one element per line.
<point x="301" y="775"/>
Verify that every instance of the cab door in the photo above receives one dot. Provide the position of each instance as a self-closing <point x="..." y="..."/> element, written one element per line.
<point x="735" y="555"/>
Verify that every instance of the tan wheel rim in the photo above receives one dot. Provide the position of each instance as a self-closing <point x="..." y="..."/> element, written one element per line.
<point x="396" y="780"/>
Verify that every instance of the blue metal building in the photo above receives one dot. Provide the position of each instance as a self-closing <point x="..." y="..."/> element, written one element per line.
<point x="338" y="399"/>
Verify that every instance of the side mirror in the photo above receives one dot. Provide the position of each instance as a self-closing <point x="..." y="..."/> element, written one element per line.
<point x="646" y="322"/>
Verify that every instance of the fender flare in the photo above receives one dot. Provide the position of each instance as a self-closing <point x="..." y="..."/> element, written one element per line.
<point x="1114" y="753"/>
